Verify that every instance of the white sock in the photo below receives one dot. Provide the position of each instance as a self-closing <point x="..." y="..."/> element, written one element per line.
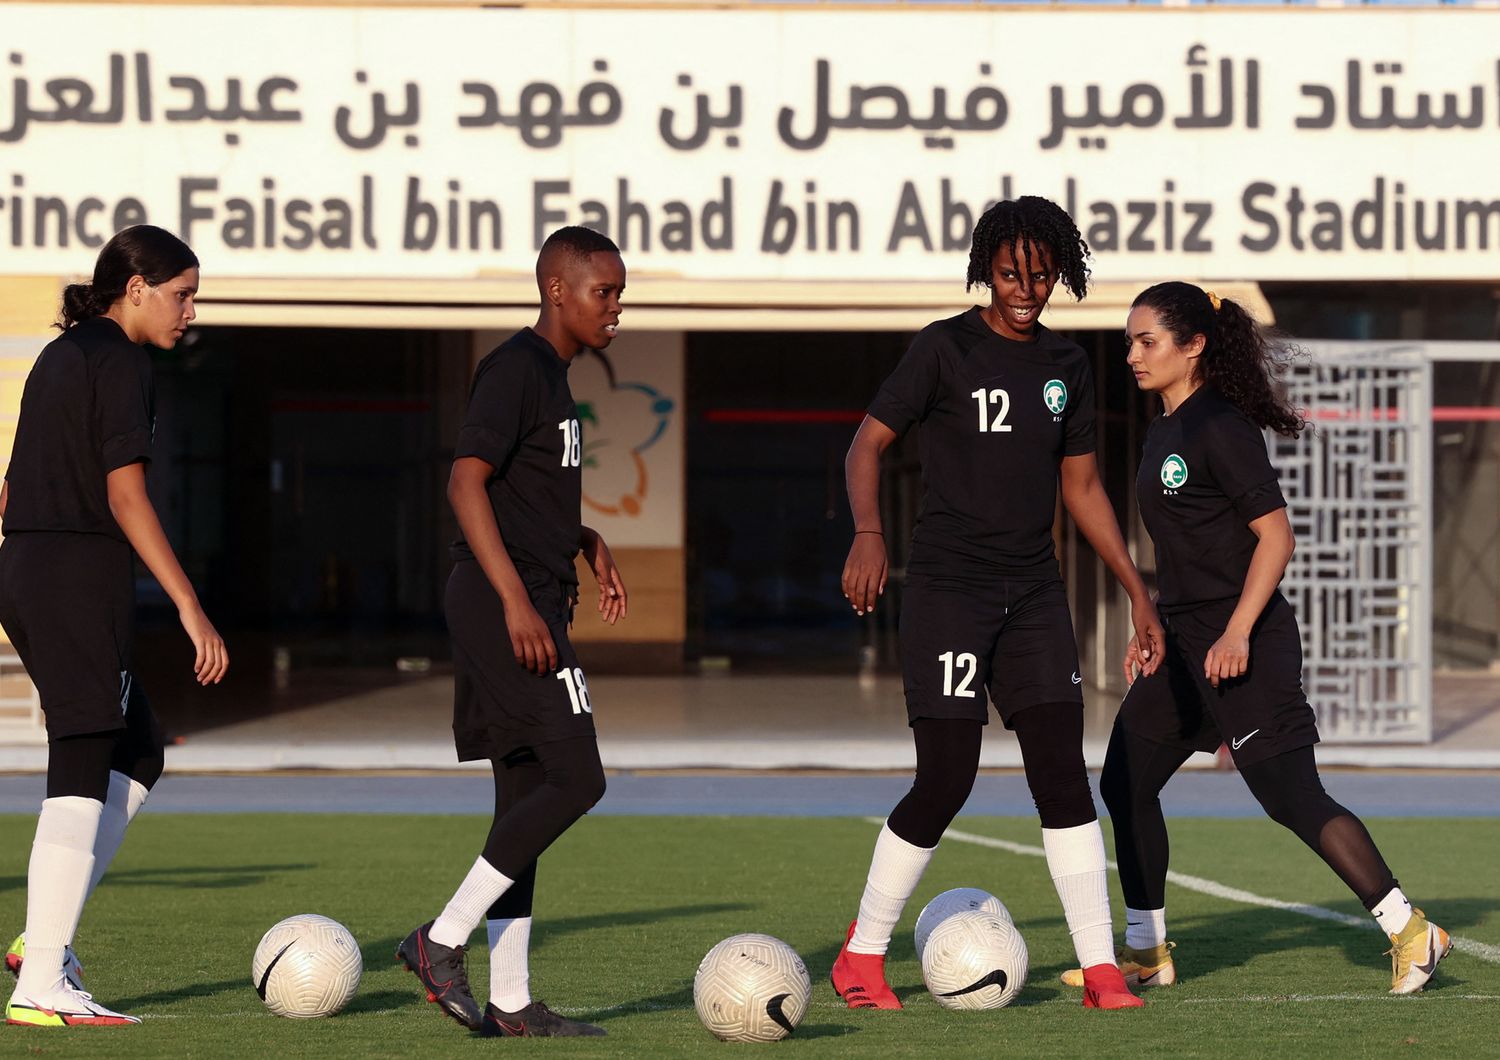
<point x="1075" y="858"/>
<point x="1392" y="913"/>
<point x="126" y="797"/>
<point x="895" y="871"/>
<point x="510" y="974"/>
<point x="1145" y="928"/>
<point x="481" y="888"/>
<point x="57" y="881"/>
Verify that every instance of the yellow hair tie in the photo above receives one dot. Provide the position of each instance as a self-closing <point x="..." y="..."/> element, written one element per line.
<point x="1213" y="300"/>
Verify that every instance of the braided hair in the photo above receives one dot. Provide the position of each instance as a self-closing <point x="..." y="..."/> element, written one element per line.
<point x="1238" y="358"/>
<point x="140" y="250"/>
<point x="1024" y="225"/>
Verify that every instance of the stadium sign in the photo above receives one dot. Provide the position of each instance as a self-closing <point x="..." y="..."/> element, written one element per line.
<point x="762" y="145"/>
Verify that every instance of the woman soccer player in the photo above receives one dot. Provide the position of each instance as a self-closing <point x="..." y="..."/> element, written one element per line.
<point x="1233" y="663"/>
<point x="74" y="505"/>
<point x="1006" y="408"/>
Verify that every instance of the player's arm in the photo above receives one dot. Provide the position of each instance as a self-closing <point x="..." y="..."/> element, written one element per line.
<point x="1084" y="497"/>
<point x="866" y="569"/>
<point x="1275" y="543"/>
<point x="4" y="496"/>
<point x="529" y="637"/>
<point x="132" y="509"/>
<point x="612" y="599"/>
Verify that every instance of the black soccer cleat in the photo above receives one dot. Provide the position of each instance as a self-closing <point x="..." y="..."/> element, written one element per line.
<point x="443" y="972"/>
<point x="536" y="1020"/>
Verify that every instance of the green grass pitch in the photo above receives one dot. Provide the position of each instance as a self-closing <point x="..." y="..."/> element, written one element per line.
<point x="628" y="905"/>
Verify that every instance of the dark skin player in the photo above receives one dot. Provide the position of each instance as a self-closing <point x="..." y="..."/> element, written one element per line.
<point x="1021" y="290"/>
<point x="580" y="309"/>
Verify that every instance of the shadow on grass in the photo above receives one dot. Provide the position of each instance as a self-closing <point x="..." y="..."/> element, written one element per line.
<point x="205" y="877"/>
<point x="383" y="1001"/>
<point x="383" y="951"/>
<point x="1209" y="944"/>
<point x="186" y="877"/>
<point x="186" y="992"/>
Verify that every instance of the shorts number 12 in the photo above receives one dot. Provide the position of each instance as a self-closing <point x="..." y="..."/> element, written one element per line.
<point x="968" y="664"/>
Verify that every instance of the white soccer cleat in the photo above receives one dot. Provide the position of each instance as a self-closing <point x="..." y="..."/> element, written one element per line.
<point x="63" y="1006"/>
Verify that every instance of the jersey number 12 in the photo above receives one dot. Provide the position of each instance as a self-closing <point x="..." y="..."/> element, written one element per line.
<point x="1001" y="401"/>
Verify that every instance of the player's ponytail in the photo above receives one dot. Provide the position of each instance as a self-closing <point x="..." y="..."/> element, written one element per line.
<point x="1238" y="358"/>
<point x="141" y="250"/>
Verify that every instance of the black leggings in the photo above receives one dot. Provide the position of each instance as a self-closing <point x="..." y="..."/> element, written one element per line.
<point x="1051" y="738"/>
<point x="539" y="792"/>
<point x="81" y="765"/>
<point x="1287" y="787"/>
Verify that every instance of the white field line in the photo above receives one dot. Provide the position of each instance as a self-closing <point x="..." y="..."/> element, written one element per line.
<point x="1482" y="950"/>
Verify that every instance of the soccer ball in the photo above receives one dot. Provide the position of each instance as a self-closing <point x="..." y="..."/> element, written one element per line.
<point x="751" y="988"/>
<point x="955" y="901"/>
<point x="306" y="966"/>
<point x="974" y="961"/>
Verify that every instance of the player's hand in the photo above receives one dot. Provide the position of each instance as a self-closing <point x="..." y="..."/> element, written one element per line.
<point x="865" y="572"/>
<point x="530" y="638"/>
<point x="210" y="657"/>
<point x="1133" y="664"/>
<point x="1229" y="657"/>
<point x="1149" y="644"/>
<point x="612" y="597"/>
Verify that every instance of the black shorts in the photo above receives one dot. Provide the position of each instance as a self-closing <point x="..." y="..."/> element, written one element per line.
<point x="962" y="637"/>
<point x="1260" y="714"/>
<point x="67" y="602"/>
<point x="498" y="705"/>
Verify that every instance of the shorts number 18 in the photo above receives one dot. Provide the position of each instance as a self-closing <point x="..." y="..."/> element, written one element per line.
<point x="578" y="689"/>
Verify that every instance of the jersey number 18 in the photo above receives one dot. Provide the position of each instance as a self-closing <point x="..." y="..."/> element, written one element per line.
<point x="572" y="454"/>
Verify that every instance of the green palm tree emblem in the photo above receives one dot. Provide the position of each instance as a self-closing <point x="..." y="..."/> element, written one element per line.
<point x="1174" y="472"/>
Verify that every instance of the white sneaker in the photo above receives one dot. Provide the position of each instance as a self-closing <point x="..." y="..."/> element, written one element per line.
<point x="63" y="1006"/>
<point x="16" y="956"/>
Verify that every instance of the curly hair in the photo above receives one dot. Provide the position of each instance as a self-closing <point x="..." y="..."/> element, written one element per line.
<point x="1239" y="359"/>
<point x="1023" y="225"/>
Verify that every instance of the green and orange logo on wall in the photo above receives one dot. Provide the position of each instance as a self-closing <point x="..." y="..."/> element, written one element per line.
<point x="646" y="417"/>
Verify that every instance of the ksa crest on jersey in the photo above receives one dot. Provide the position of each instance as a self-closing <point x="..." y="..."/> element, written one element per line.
<point x="1174" y="472"/>
<point x="1055" y="394"/>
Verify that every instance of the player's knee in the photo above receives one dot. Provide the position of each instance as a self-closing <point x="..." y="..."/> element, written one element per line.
<point x="943" y="794"/>
<point x="148" y="767"/>
<point x="1114" y="788"/>
<point x="1065" y="805"/>
<point x="586" y="788"/>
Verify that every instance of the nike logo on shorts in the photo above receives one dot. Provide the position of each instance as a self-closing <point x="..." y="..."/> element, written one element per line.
<point x="1076" y="679"/>
<point x="1237" y="744"/>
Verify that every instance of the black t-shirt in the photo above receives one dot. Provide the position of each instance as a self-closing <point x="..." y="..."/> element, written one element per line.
<point x="89" y="408"/>
<point x="997" y="417"/>
<point x="1204" y="478"/>
<point x="523" y="422"/>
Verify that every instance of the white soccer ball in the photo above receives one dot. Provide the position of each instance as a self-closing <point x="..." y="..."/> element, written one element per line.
<point x="306" y="966"/>
<point x="974" y="961"/>
<point x="958" y="900"/>
<point x="751" y="988"/>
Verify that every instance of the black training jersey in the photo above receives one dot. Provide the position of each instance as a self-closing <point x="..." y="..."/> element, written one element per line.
<point x="1204" y="478"/>
<point x="523" y="422"/>
<point x="89" y="408"/>
<point x="997" y="417"/>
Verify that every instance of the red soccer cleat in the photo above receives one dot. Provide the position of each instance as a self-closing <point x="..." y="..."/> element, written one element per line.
<point x="1104" y="987"/>
<point x="859" y="978"/>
